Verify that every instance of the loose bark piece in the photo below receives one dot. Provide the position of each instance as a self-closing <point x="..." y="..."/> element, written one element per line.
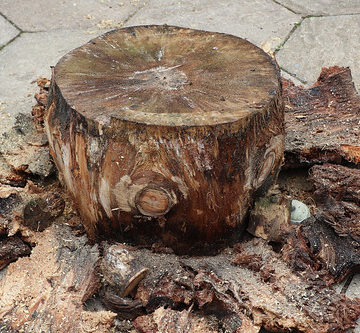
<point x="24" y="149"/>
<point x="121" y="270"/>
<point x="337" y="194"/>
<point x="47" y="290"/>
<point x="41" y="211"/>
<point x="270" y="216"/>
<point x="157" y="138"/>
<point x="329" y="242"/>
<point x="253" y="281"/>
<point x="316" y="247"/>
<point x="322" y="122"/>
<point x="41" y="97"/>
<point x="11" y="249"/>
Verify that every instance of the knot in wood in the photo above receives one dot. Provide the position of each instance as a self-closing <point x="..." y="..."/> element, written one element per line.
<point x="186" y="125"/>
<point x="153" y="201"/>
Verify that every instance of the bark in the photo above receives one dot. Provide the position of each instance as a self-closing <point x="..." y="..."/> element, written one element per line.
<point x="329" y="242"/>
<point x="322" y="121"/>
<point x="157" y="138"/>
<point x="249" y="281"/>
<point x="11" y="249"/>
<point x="25" y="152"/>
<point x="270" y="216"/>
<point x="45" y="292"/>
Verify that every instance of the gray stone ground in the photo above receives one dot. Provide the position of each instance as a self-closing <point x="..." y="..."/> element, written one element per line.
<point x="304" y="36"/>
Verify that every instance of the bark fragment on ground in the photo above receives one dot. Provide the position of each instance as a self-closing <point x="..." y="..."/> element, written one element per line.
<point x="23" y="152"/>
<point x="270" y="216"/>
<point x="329" y="242"/>
<point x="11" y="249"/>
<point x="322" y="122"/>
<point x="252" y="281"/>
<point x="47" y="290"/>
<point x="337" y="195"/>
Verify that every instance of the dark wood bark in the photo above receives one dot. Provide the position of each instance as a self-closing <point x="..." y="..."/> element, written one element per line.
<point x="251" y="281"/>
<point x="11" y="249"/>
<point x="269" y="218"/>
<point x="329" y="242"/>
<point x="165" y="132"/>
<point x="322" y="122"/>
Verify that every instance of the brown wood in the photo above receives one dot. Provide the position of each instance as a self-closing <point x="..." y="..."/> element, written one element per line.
<point x="249" y="282"/>
<point x="46" y="291"/>
<point x="329" y="242"/>
<point x="322" y="122"/>
<point x="11" y="249"/>
<point x="165" y="132"/>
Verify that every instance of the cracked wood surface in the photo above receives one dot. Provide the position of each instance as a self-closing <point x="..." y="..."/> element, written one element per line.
<point x="166" y="133"/>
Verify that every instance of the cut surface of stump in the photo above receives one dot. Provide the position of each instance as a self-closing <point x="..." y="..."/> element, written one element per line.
<point x="165" y="133"/>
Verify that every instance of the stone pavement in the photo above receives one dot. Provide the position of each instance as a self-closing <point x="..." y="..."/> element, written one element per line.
<point x="35" y="34"/>
<point x="304" y="36"/>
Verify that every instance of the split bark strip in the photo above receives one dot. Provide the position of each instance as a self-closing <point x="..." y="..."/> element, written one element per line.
<point x="329" y="242"/>
<point x="45" y="292"/>
<point x="157" y="138"/>
<point x="253" y="282"/>
<point x="322" y="122"/>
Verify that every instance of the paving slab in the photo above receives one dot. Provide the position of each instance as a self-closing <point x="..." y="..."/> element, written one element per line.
<point x="322" y="42"/>
<point x="322" y="7"/>
<point x="262" y="22"/>
<point x="354" y="287"/>
<point x="45" y="15"/>
<point x="7" y="31"/>
<point x="24" y="60"/>
<point x="352" y="292"/>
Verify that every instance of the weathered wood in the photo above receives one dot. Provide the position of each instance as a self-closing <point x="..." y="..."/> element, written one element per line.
<point x="165" y="132"/>
<point x="249" y="281"/>
<point x="11" y="249"/>
<point x="329" y="242"/>
<point x="337" y="194"/>
<point x="45" y="292"/>
<point x="270" y="216"/>
<point x="322" y="122"/>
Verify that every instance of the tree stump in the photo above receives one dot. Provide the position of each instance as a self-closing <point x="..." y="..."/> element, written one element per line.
<point x="165" y="133"/>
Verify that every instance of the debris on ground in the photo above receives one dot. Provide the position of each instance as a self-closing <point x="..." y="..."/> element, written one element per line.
<point x="322" y="122"/>
<point x="329" y="242"/>
<point x="280" y="281"/>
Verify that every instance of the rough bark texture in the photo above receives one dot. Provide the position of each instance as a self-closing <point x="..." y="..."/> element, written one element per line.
<point x="11" y="249"/>
<point x="269" y="218"/>
<point x="249" y="281"/>
<point x="337" y="195"/>
<point x="45" y="292"/>
<point x="322" y="122"/>
<point x="165" y="132"/>
<point x="329" y="242"/>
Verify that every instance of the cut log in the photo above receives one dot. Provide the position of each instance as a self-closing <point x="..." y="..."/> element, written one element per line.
<point x="165" y="133"/>
<point x="322" y="122"/>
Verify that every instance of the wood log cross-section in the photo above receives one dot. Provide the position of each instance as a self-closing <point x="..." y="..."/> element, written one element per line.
<point x="165" y="133"/>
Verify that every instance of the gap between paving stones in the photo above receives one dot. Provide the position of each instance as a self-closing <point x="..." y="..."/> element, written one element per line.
<point x="21" y="31"/>
<point x="15" y="26"/>
<point x="136" y="11"/>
